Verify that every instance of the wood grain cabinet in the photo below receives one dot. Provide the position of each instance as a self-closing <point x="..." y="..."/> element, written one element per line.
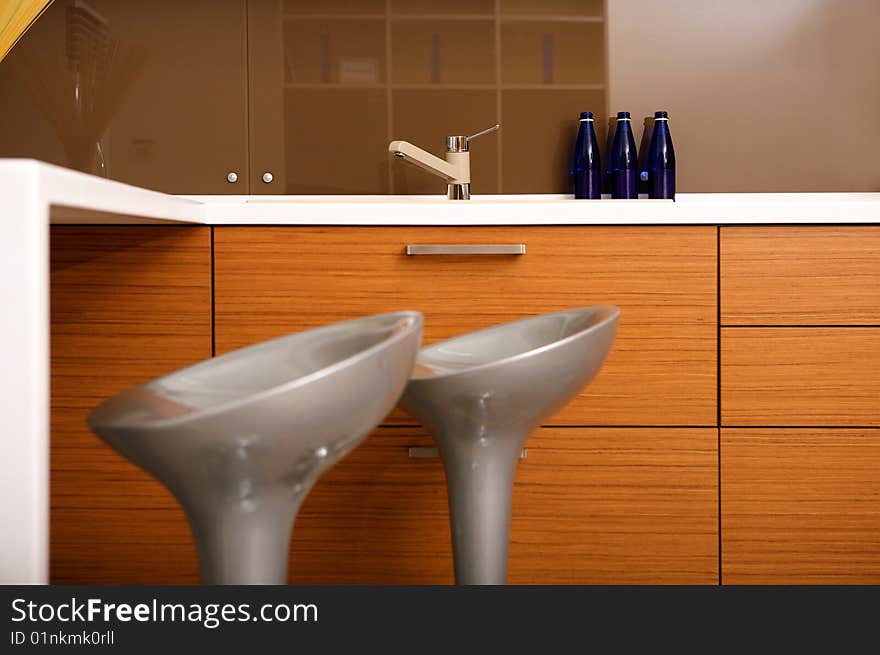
<point x="800" y="402"/>
<point x="640" y="480"/>
<point x="128" y="304"/>
<point x="591" y="506"/>
<point x="661" y="371"/>
<point x="800" y="275"/>
<point x="800" y="376"/>
<point x="800" y="506"/>
<point x="800" y="316"/>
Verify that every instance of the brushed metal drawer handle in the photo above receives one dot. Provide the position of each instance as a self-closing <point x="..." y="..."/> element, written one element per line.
<point x="462" y="249"/>
<point x="427" y="452"/>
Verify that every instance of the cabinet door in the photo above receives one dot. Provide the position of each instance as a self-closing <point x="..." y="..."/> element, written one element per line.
<point x="661" y="370"/>
<point x="800" y="376"/>
<point x="800" y="506"/>
<point x="148" y="93"/>
<point x="590" y="506"/>
<point x="800" y="275"/>
<point x="333" y="82"/>
<point x="128" y="304"/>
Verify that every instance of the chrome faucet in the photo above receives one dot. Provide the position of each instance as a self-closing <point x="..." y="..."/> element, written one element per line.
<point x="455" y="169"/>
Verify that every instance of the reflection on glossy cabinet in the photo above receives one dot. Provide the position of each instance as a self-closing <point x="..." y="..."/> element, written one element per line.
<point x="524" y="109"/>
<point x="661" y="371"/>
<point x="152" y="94"/>
<point x="443" y="52"/>
<point x="420" y="71"/>
<point x="513" y="8"/>
<point x="591" y="506"/>
<point x="800" y="506"/>
<point x="128" y="304"/>
<point x="176" y="96"/>
<point x="336" y="158"/>
<point x="552" y="52"/>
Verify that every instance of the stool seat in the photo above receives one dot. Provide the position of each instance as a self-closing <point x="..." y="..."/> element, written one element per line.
<point x="480" y="396"/>
<point x="240" y="439"/>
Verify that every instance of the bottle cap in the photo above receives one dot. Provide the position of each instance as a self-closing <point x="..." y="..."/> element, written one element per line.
<point x="622" y="114"/>
<point x="661" y="114"/>
<point x="586" y="114"/>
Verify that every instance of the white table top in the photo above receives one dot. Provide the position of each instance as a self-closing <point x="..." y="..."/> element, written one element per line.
<point x="78" y="198"/>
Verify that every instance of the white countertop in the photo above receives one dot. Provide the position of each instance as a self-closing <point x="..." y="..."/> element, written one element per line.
<point x="73" y="197"/>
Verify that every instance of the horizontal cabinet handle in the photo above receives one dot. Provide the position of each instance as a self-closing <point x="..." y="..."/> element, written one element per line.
<point x="427" y="452"/>
<point x="462" y="249"/>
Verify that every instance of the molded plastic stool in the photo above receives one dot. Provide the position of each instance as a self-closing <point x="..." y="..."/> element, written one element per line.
<point x="480" y="396"/>
<point x="240" y="439"/>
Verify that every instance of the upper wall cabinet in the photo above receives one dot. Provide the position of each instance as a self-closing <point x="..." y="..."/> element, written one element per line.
<point x="332" y="82"/>
<point x="303" y="96"/>
<point x="149" y="93"/>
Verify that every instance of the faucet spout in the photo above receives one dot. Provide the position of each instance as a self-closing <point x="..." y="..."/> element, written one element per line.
<point x="455" y="169"/>
<point x="452" y="172"/>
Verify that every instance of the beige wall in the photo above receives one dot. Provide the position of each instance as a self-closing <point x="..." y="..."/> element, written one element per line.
<point x="763" y="95"/>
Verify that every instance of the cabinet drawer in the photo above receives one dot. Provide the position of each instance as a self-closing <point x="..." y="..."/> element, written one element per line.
<point x="800" y="376"/>
<point x="800" y="506"/>
<point x="128" y="304"/>
<point x="591" y="506"/>
<point x="661" y="371"/>
<point x="800" y="275"/>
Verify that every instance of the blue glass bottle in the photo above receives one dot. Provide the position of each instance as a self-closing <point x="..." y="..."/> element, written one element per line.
<point x="623" y="162"/>
<point x="586" y="168"/>
<point x="660" y="164"/>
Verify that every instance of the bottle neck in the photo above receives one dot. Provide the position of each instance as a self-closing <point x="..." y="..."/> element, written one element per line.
<point x="661" y="124"/>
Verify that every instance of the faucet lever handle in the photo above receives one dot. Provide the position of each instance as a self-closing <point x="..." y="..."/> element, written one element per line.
<point x="494" y="128"/>
<point x="459" y="143"/>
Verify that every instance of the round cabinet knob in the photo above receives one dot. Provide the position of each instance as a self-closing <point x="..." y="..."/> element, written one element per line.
<point x="232" y="177"/>
<point x="268" y="177"/>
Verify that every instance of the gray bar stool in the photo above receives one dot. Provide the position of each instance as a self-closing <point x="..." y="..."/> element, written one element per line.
<point x="240" y="439"/>
<point x="480" y="396"/>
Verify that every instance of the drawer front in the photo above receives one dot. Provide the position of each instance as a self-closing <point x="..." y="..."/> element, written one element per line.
<point x="591" y="506"/>
<point x="800" y="275"/>
<point x="800" y="376"/>
<point x="800" y="506"/>
<point x="128" y="304"/>
<point x="662" y="370"/>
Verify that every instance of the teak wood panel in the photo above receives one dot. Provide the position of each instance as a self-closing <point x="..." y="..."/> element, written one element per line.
<point x="127" y="304"/>
<point x="800" y="376"/>
<point x="800" y="275"/>
<point x="661" y="371"/>
<point x="590" y="506"/>
<point x="800" y="506"/>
